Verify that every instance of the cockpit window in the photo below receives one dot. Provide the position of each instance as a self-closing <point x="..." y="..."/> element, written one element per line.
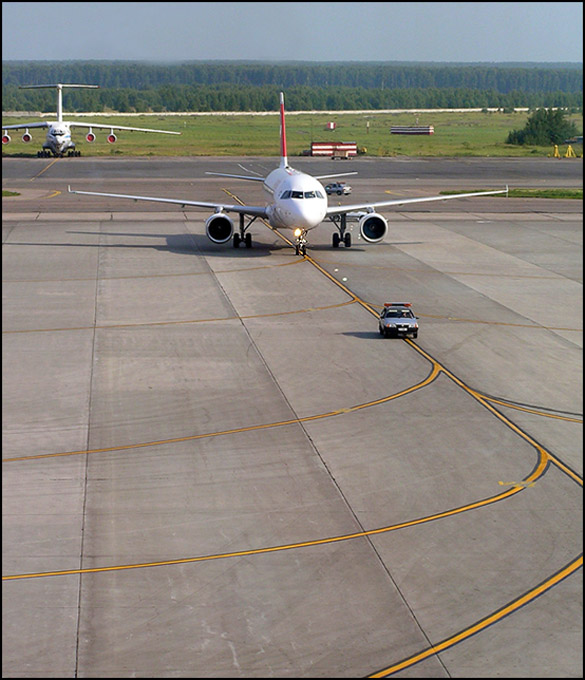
<point x="300" y="194"/>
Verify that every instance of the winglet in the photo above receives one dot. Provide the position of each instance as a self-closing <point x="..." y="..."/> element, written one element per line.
<point x="283" y="156"/>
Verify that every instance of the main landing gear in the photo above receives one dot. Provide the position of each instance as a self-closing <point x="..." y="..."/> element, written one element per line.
<point x="301" y="242"/>
<point x="340" y="221"/>
<point x="47" y="154"/>
<point x="242" y="237"/>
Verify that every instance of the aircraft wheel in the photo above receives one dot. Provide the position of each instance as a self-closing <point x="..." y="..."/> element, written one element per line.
<point x="347" y="240"/>
<point x="236" y="240"/>
<point x="248" y="240"/>
<point x="336" y="240"/>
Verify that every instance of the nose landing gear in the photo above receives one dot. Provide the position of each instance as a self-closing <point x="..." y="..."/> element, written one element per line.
<point x="301" y="242"/>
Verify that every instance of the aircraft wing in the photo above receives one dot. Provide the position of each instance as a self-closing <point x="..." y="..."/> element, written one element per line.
<point x="337" y="174"/>
<point x="369" y="207"/>
<point x="117" y="127"/>
<point x="257" y="211"/>
<point x="24" y="126"/>
<point x="248" y="177"/>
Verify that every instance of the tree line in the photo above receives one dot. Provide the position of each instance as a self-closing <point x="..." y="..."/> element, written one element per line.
<point x="368" y="75"/>
<point x="234" y="86"/>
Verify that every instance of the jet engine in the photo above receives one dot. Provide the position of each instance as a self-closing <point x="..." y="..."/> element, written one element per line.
<point x="90" y="136"/>
<point x="5" y="139"/>
<point x="27" y="137"/>
<point x="219" y="228"/>
<point x="373" y="227"/>
<point x="112" y="138"/>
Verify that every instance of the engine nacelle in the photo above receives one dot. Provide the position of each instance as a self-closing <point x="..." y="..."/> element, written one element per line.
<point x="373" y="227"/>
<point x="219" y="228"/>
<point x="112" y="138"/>
<point x="5" y="139"/>
<point x="90" y="137"/>
<point x="27" y="137"/>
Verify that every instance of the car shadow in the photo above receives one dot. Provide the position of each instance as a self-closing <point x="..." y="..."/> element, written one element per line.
<point x="364" y="335"/>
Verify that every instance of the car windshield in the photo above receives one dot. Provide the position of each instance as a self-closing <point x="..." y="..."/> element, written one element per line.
<point x="399" y="313"/>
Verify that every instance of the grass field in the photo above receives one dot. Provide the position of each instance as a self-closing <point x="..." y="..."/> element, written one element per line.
<point x="456" y="134"/>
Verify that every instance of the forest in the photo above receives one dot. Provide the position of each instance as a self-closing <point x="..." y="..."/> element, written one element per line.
<point x="139" y="87"/>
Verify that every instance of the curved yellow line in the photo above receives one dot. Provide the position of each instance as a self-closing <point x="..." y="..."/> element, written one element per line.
<point x="534" y="411"/>
<point x="577" y="563"/>
<point x="176" y="323"/>
<point x="293" y="421"/>
<point x="279" y="548"/>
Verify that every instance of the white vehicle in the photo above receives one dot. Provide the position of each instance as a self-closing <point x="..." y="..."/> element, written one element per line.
<point x="398" y="321"/>
<point x="338" y="188"/>
<point x="296" y="201"/>
<point x="58" y="141"/>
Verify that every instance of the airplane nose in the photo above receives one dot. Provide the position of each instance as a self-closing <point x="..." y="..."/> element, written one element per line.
<point x="307" y="214"/>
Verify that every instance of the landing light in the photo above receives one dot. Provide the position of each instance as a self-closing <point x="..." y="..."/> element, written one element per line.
<point x="298" y="232"/>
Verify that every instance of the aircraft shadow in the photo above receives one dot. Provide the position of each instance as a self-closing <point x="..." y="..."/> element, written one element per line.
<point x="183" y="243"/>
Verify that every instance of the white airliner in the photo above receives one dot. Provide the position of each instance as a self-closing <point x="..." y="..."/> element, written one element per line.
<point x="58" y="141"/>
<point x="296" y="201"/>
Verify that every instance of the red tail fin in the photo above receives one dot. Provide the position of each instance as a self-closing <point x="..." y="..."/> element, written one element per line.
<point x="283" y="155"/>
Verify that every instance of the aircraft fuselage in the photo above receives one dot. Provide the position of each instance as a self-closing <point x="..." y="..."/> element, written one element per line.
<point x="297" y="200"/>
<point x="58" y="139"/>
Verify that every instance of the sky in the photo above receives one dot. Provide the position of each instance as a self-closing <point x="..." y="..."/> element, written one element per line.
<point x="294" y="31"/>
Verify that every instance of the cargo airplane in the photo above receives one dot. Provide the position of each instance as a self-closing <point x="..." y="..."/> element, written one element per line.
<point x="58" y="141"/>
<point x="296" y="201"/>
